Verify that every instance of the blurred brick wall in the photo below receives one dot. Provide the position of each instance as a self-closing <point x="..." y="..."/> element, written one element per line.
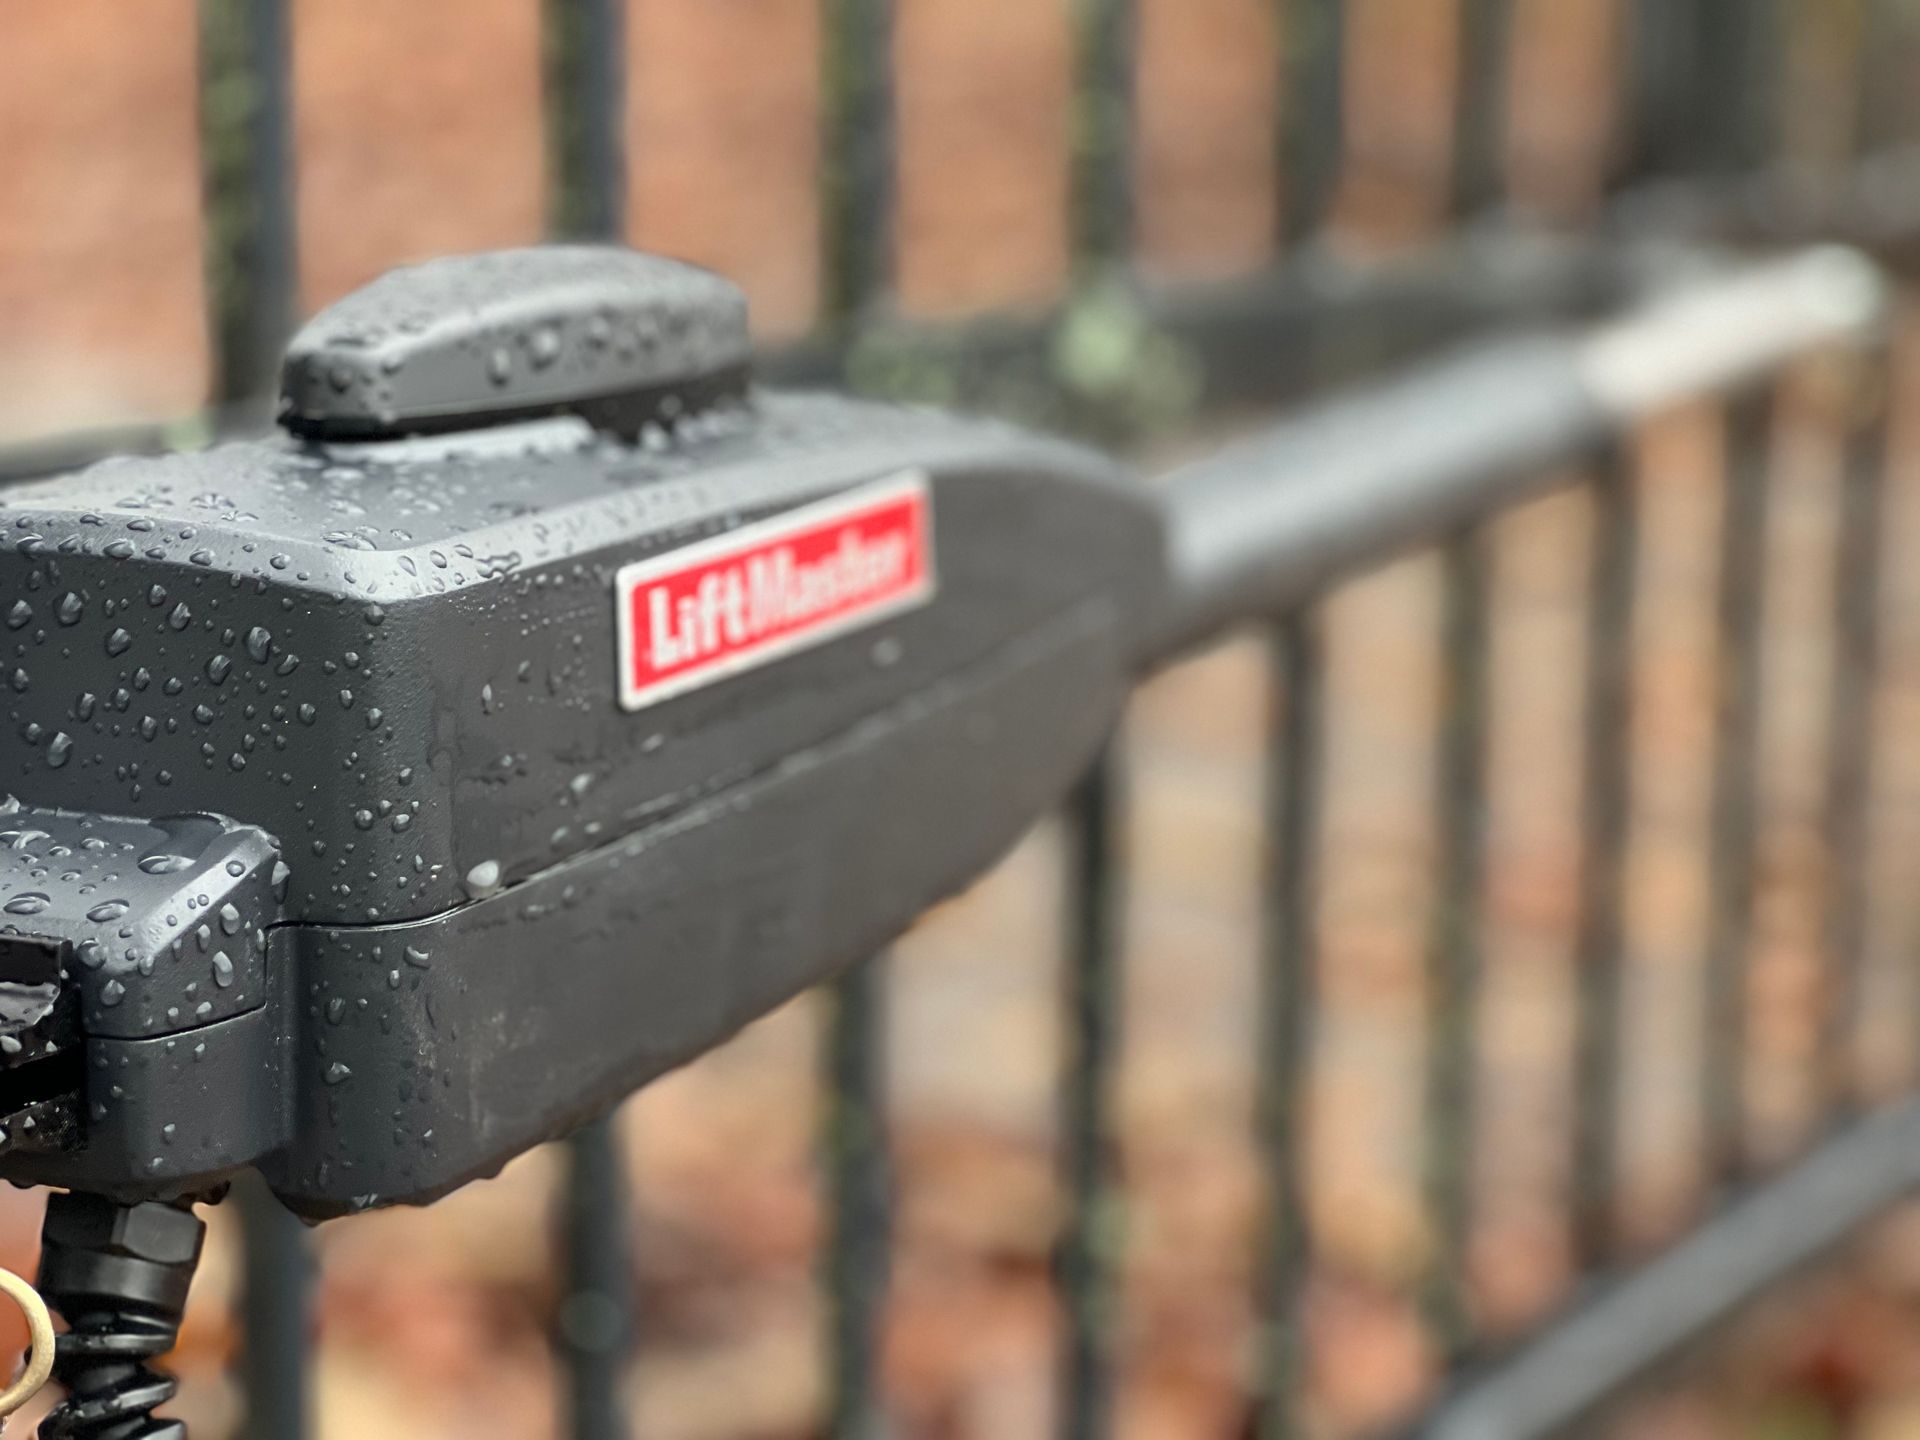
<point x="417" y="130"/>
<point x="1206" y="158"/>
<point x="418" y="133"/>
<point x="723" y="145"/>
<point x="984" y="106"/>
<point x="100" y="296"/>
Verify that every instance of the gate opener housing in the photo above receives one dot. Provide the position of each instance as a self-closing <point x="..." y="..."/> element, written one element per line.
<point x="541" y="705"/>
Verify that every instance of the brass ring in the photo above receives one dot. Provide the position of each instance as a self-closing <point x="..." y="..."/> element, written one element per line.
<point x="39" y="1364"/>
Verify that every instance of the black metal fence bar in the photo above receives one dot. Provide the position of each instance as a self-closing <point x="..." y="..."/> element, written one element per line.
<point x="1103" y="132"/>
<point x="277" y="1266"/>
<point x="1748" y="463"/>
<point x="1454" y="961"/>
<point x="1737" y="83"/>
<point x="1289" y="963"/>
<point x="1088" y="1251"/>
<point x="584" y="101"/>
<point x="247" y="175"/>
<point x="858" y="194"/>
<point x="1333" y="492"/>
<point x="858" y="157"/>
<point x="1091" y="1241"/>
<point x="1850" y="727"/>
<point x="595" y="1329"/>
<point x="246" y="129"/>
<point x="1312" y="110"/>
<point x="1481" y="94"/>
<point x="860" y="1181"/>
<point x="1661" y="65"/>
<point x="1885" y="113"/>
<point x="1606" y="814"/>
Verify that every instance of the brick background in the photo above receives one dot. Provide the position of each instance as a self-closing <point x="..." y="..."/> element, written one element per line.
<point x="417" y="130"/>
<point x="101" y="303"/>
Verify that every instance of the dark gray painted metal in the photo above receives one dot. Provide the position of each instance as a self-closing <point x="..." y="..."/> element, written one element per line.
<point x="1737" y="91"/>
<point x="1264" y="524"/>
<point x="1889" y="111"/>
<point x="246" y="130"/>
<point x="252" y="286"/>
<point x="312" y="637"/>
<point x="1851" y="731"/>
<point x="586" y="140"/>
<point x="1091" y="1242"/>
<point x="1289" y="970"/>
<point x="400" y="658"/>
<point x="1606" y="803"/>
<point x="860" y="1175"/>
<point x="859" y="164"/>
<point x="1312" y="113"/>
<point x="621" y="338"/>
<point x="274" y="1303"/>
<point x="1735" y="782"/>
<point x="462" y="1041"/>
<point x="1481" y="95"/>
<point x="1628" y="1327"/>
<point x="586" y="83"/>
<point x="170" y="1115"/>
<point x="1104" y="103"/>
<point x="166" y="918"/>
<point x="1456" y="942"/>
<point x="595" y="1327"/>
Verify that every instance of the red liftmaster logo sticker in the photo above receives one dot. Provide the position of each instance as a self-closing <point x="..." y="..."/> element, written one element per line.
<point x="754" y="594"/>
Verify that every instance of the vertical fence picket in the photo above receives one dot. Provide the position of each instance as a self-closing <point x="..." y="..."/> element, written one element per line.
<point x="1738" y="84"/>
<point x="859" y="142"/>
<point x="1480" y="104"/>
<point x="1312" y="111"/>
<point x="585" y="117"/>
<point x="1289" y="955"/>
<point x="1885" y="111"/>
<point x="1735" y="803"/>
<point x="1850" y="731"/>
<point x="246" y="139"/>
<point x="596" y="1319"/>
<point x="1660" y="50"/>
<point x="858" y="191"/>
<point x="1089" y="1250"/>
<point x="1103" y="132"/>
<point x="1606" y="814"/>
<point x="859" y="1176"/>
<point x="246" y="156"/>
<point x="274" y="1314"/>
<point x="1455" y="946"/>
<point x="585" y="102"/>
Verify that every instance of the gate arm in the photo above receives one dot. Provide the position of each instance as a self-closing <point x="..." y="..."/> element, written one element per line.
<point x="1262" y="525"/>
